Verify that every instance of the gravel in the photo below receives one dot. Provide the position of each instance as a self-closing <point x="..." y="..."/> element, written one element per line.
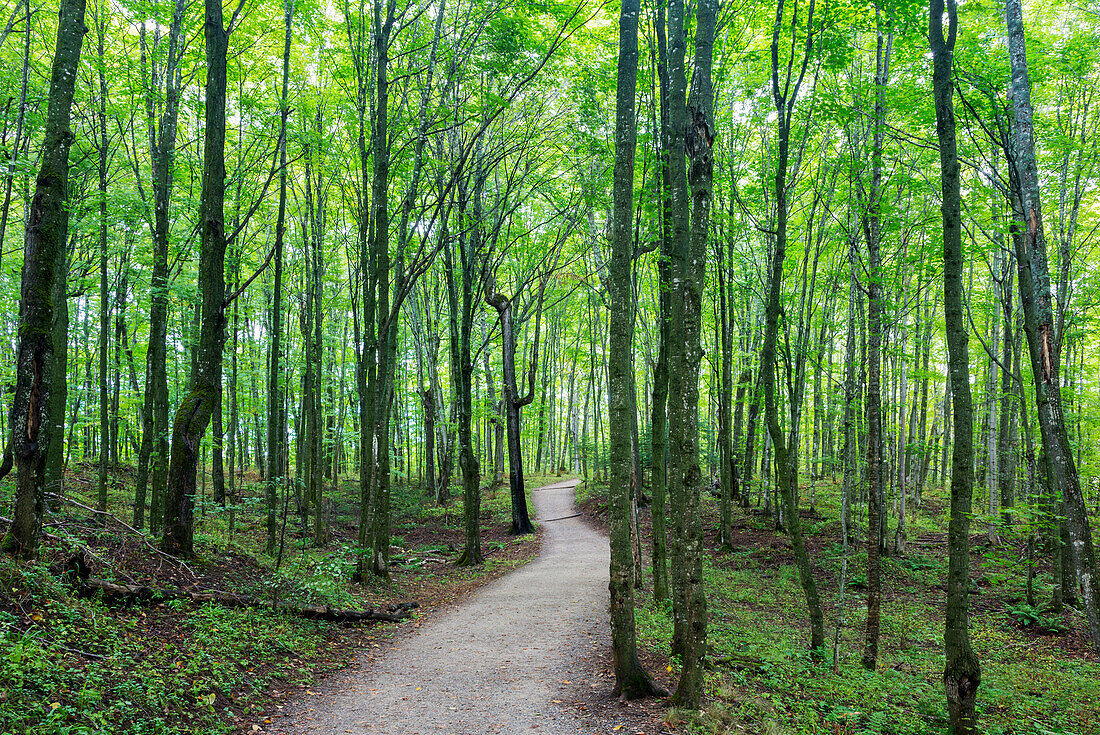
<point x="501" y="661"/>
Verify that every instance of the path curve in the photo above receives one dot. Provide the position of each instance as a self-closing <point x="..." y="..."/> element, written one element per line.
<point x="494" y="663"/>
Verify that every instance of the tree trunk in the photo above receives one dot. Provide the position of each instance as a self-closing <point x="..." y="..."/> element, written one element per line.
<point x="197" y="406"/>
<point x="659" y="417"/>
<point x="101" y="144"/>
<point x="55" y="454"/>
<point x="521" y="520"/>
<point x="725" y="391"/>
<point x="876" y="480"/>
<point x="153" y="458"/>
<point x="1034" y="282"/>
<point x="276" y="437"/>
<point x="631" y="680"/>
<point x="692" y="136"/>
<point x="786" y="453"/>
<point x="962" y="673"/>
<point x="43" y="247"/>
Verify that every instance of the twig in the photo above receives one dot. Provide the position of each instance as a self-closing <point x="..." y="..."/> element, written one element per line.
<point x="85" y="654"/>
<point x="131" y="529"/>
<point x="548" y="520"/>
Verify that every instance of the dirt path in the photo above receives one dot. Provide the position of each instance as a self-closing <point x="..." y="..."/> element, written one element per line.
<point x="501" y="661"/>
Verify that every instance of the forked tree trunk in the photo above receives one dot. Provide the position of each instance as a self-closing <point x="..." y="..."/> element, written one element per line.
<point x="785" y="95"/>
<point x="153" y="459"/>
<point x="521" y="519"/>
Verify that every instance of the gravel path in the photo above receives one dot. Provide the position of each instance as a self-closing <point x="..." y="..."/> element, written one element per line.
<point x="501" y="661"/>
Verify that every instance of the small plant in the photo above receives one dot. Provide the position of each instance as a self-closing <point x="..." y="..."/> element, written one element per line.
<point x="918" y="563"/>
<point x="1036" y="618"/>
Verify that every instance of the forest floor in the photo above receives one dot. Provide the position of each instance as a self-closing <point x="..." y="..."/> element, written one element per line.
<point x="1040" y="674"/>
<point x="80" y="665"/>
<point x="522" y="654"/>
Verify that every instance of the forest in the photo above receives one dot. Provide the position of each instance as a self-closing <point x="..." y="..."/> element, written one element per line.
<point x="301" y="299"/>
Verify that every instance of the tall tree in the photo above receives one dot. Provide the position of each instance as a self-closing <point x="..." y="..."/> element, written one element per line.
<point x="962" y="672"/>
<point x="1043" y="345"/>
<point x="43" y="247"/>
<point x="872" y="232"/>
<point x="153" y="456"/>
<point x="197" y="406"/>
<point x="276" y="436"/>
<point x="692" y="139"/>
<point x="631" y="680"/>
<point x="785" y="96"/>
<point x="659" y="421"/>
<point x="103" y="150"/>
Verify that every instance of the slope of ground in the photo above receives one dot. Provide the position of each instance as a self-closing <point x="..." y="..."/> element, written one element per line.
<point x="761" y="678"/>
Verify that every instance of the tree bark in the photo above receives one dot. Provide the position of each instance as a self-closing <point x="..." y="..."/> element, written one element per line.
<point x="785" y="96"/>
<point x="725" y="393"/>
<point x="276" y="436"/>
<point x="659" y="416"/>
<point x="193" y="414"/>
<point x="692" y="136"/>
<point x="876" y="480"/>
<point x="521" y="519"/>
<point x="1043" y="347"/>
<point x="631" y="679"/>
<point x="962" y="673"/>
<point x="102" y="150"/>
<point x="153" y="457"/>
<point x="43" y="247"/>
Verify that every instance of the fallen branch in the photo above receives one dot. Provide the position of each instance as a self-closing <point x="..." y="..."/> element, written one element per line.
<point x="737" y="663"/>
<point x="135" y="532"/>
<point x="549" y="520"/>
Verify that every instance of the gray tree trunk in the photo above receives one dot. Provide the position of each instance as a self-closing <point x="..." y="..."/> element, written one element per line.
<point x="1034" y="282"/>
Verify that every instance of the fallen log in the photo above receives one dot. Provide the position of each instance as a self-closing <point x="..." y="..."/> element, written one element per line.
<point x="144" y="594"/>
<point x="77" y="569"/>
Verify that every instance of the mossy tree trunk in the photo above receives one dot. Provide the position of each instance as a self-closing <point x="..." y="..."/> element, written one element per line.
<point x="43" y="247"/>
<point x="659" y="416"/>
<point x="1043" y="344"/>
<point x="631" y="680"/>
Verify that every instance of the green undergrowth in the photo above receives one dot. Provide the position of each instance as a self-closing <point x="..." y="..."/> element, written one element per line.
<point x="81" y="665"/>
<point x="1039" y="676"/>
<point x="762" y="676"/>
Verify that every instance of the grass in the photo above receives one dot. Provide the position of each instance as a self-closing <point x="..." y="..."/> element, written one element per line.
<point x="75" y="666"/>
